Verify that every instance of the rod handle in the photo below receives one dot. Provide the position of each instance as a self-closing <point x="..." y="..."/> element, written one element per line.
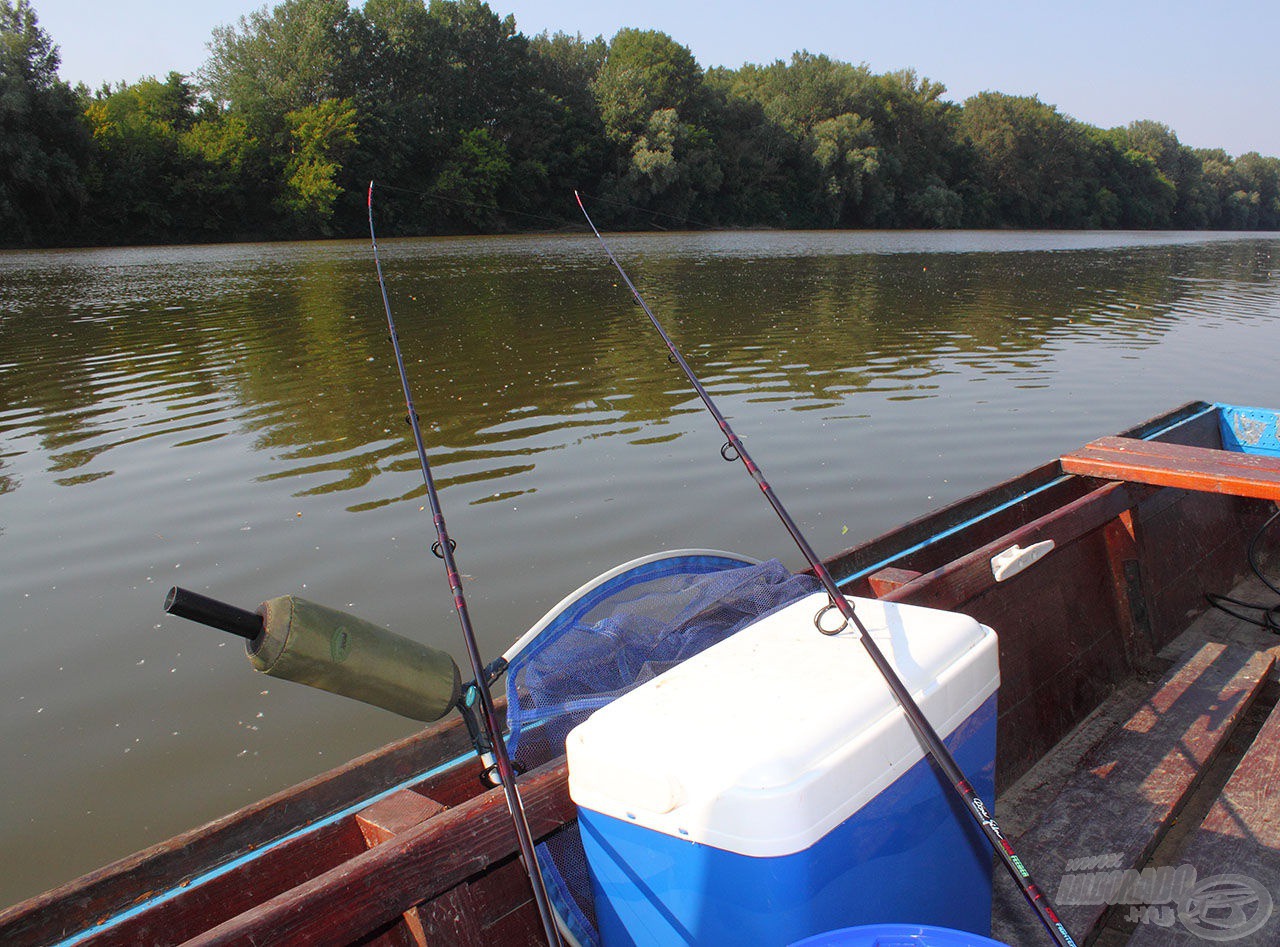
<point x="209" y="611"/>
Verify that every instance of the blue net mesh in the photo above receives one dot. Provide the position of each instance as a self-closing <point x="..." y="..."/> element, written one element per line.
<point x="613" y="636"/>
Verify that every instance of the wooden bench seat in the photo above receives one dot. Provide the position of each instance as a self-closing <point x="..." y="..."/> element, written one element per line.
<point x="1176" y="465"/>
<point x="1117" y="805"/>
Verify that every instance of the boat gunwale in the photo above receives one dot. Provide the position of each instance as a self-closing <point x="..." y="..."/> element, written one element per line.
<point x="148" y="877"/>
<point x="140" y="881"/>
<point x="1042" y="487"/>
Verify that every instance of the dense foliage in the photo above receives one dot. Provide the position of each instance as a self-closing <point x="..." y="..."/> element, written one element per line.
<point x="475" y="127"/>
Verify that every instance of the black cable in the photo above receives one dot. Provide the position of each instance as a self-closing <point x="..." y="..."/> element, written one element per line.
<point x="1270" y="619"/>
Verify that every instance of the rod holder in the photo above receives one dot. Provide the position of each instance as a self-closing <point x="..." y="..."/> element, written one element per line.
<point x="296" y="640"/>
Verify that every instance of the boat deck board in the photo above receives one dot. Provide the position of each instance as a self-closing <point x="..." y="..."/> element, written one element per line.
<point x="1177" y="465"/>
<point x="1238" y="839"/>
<point x="1126" y="792"/>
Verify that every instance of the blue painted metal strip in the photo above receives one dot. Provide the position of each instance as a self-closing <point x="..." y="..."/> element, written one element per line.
<point x="936" y="537"/>
<point x="925" y="543"/>
<point x="251" y="856"/>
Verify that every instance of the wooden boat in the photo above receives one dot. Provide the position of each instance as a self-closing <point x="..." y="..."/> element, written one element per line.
<point x="407" y="846"/>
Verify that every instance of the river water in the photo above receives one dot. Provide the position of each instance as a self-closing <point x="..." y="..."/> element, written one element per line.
<point x="229" y="418"/>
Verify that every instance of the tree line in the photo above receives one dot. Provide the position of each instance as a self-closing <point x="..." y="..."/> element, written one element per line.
<point x="476" y="128"/>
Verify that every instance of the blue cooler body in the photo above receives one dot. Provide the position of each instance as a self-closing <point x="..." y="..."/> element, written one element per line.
<point x="770" y="788"/>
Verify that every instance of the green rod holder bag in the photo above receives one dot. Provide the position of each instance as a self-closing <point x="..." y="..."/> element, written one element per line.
<point x="325" y="648"/>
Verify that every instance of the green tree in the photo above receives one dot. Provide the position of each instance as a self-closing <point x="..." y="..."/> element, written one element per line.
<point x="849" y="160"/>
<point x="322" y="134"/>
<point x="232" y="178"/>
<point x="1176" y="163"/>
<point x="427" y="80"/>
<point x="653" y="106"/>
<point x="139" y="161"/>
<point x="277" y="61"/>
<point x="44" y="149"/>
<point x="766" y="172"/>
<point x="1256" y="200"/>
<point x="166" y="169"/>
<point x="1034" y="162"/>
<point x="471" y="178"/>
<point x="567" y="132"/>
<point x="644" y="71"/>
<point x="882" y="150"/>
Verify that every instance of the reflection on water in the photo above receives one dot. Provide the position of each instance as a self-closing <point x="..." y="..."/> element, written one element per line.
<point x="513" y="344"/>
<point x="230" y="417"/>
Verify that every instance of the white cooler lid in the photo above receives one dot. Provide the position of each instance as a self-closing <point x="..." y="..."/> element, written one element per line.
<point x="766" y="741"/>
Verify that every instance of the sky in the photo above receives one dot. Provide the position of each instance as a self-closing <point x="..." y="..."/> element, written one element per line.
<point x="1211" y="72"/>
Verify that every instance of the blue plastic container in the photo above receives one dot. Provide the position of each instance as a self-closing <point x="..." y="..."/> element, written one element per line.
<point x="770" y="788"/>
<point x="898" y="935"/>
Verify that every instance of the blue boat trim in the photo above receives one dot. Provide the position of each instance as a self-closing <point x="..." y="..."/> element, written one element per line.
<point x="965" y="524"/>
<point x="1249" y="430"/>
<point x="1228" y="413"/>
<point x="974" y="520"/>
<point x="235" y="863"/>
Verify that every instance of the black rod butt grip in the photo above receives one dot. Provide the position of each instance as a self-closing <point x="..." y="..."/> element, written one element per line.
<point x="209" y="611"/>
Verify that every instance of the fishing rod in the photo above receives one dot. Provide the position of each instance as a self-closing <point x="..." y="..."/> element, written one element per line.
<point x="443" y="548"/>
<point x="732" y="450"/>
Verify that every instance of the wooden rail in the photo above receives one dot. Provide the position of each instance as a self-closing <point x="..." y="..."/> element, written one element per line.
<point x="1176" y="465"/>
<point x="371" y="890"/>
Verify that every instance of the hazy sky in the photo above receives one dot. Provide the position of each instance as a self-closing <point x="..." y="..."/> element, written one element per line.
<point x="1208" y="70"/>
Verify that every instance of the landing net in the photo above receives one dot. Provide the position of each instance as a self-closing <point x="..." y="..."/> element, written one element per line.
<point x="612" y="635"/>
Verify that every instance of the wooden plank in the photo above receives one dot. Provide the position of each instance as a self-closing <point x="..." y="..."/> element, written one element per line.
<point x="395" y="814"/>
<point x="933" y="538"/>
<point x="1239" y="837"/>
<point x="1070" y="648"/>
<point x="387" y="818"/>
<point x="1190" y="546"/>
<point x="886" y="580"/>
<point x="1061" y="650"/>
<point x="1195" y="423"/>
<point x="1124" y="560"/>
<point x="495" y="908"/>
<point x="1116" y="807"/>
<point x="943" y="534"/>
<point x="1176" y="465"/>
<point x="373" y="888"/>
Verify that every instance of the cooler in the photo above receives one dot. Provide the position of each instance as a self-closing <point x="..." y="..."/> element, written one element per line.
<point x="770" y="788"/>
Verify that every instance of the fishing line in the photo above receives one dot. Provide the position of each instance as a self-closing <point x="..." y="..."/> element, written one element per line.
<point x="735" y="450"/>
<point x="679" y="219"/>
<point x="560" y="222"/>
<point x="476" y="205"/>
<point x="444" y="549"/>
